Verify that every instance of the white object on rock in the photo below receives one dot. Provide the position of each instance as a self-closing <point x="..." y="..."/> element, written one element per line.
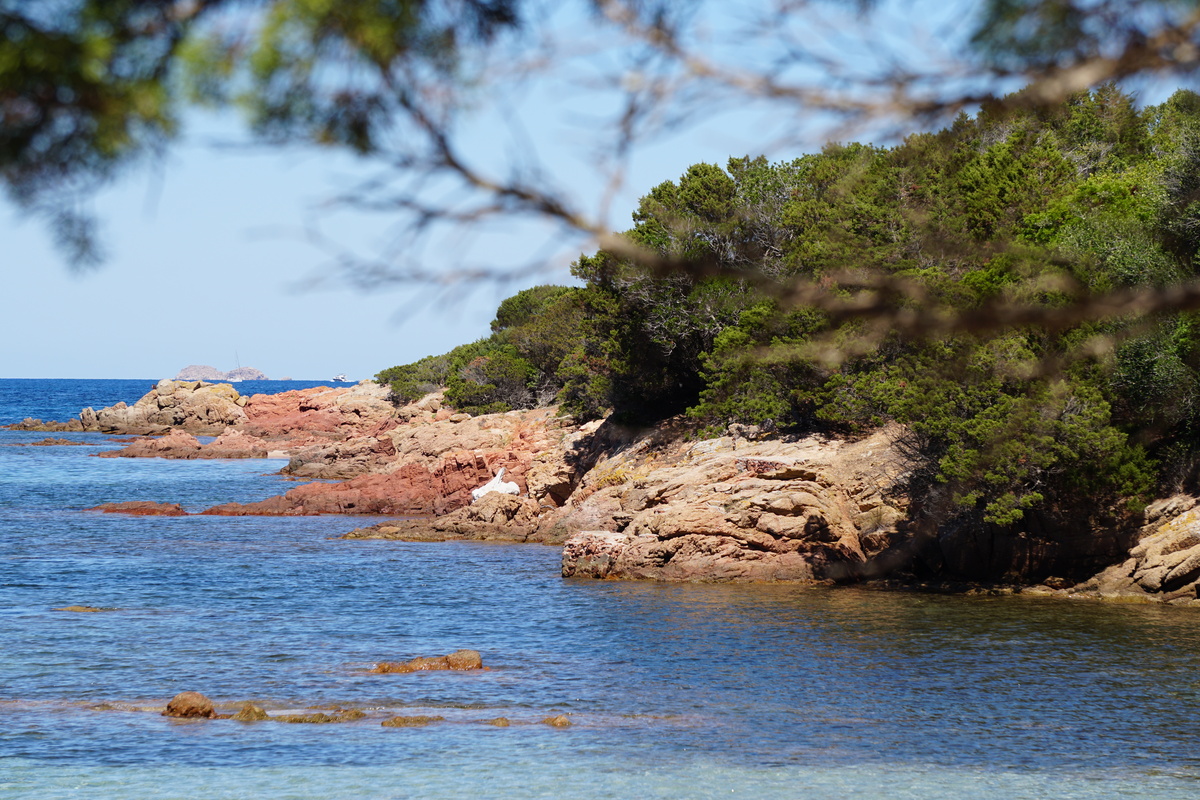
<point x="496" y="484"/>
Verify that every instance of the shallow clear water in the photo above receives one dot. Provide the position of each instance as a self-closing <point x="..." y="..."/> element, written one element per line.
<point x="674" y="691"/>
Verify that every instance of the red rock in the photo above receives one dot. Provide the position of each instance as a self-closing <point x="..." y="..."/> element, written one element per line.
<point x="337" y="412"/>
<point x="235" y="444"/>
<point x="176" y="444"/>
<point x="411" y="490"/>
<point x="142" y="508"/>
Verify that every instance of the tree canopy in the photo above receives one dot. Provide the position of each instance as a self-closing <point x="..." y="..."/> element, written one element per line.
<point x="88" y="87"/>
<point x="1005" y="206"/>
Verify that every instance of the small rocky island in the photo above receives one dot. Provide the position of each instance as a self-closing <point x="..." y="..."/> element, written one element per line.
<point x="203" y="372"/>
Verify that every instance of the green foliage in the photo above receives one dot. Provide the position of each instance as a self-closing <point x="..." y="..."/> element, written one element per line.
<point x="753" y="376"/>
<point x="88" y="87"/>
<point x="411" y="382"/>
<point x="526" y="306"/>
<point x="518" y="366"/>
<point x="983" y="212"/>
<point x="82" y="93"/>
<point x="486" y="378"/>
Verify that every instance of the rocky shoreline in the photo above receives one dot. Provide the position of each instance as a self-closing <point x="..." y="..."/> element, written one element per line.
<point x="635" y="504"/>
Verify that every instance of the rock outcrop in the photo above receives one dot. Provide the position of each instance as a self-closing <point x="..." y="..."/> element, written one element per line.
<point x="722" y="510"/>
<point x="426" y="466"/>
<point x="200" y="372"/>
<point x="495" y="518"/>
<point x="193" y="406"/>
<point x="178" y="444"/>
<point x="1164" y="565"/>
<point x="320" y="415"/>
<point x="642" y="504"/>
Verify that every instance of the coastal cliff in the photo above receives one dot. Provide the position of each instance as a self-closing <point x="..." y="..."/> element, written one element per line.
<point x="650" y="504"/>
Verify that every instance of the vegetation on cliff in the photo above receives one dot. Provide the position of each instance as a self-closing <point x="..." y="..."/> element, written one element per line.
<point x="1007" y="209"/>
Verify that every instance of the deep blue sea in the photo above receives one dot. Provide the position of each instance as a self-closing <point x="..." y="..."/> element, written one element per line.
<point x="674" y="691"/>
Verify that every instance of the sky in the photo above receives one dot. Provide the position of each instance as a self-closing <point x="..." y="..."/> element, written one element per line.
<point x="207" y="264"/>
<point x="208" y="261"/>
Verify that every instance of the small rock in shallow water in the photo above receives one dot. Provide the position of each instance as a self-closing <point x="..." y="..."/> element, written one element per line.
<point x="190" y="705"/>
<point x="465" y="659"/>
<point x="458" y="660"/>
<point x="499" y="722"/>
<point x="141" y="508"/>
<point x="251" y="713"/>
<point x="561" y="721"/>
<point x="83" y="609"/>
<point x="410" y="722"/>
<point x="308" y="719"/>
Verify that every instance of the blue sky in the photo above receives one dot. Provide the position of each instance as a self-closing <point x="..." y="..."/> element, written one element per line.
<point x="208" y="263"/>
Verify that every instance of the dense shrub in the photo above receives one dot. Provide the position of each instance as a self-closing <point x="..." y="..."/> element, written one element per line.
<point x="1095" y="194"/>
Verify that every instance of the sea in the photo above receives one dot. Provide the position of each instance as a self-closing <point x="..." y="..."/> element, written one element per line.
<point x="672" y="691"/>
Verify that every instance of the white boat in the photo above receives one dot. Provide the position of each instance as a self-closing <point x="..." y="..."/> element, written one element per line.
<point x="339" y="378"/>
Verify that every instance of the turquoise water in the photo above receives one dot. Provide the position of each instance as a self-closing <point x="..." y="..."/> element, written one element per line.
<point x="673" y="691"/>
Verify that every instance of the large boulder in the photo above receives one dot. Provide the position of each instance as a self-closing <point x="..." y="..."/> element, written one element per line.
<point x="190" y="705"/>
<point x="193" y="406"/>
<point x="320" y="413"/>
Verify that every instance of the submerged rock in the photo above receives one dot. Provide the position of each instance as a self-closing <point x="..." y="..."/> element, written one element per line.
<point x="496" y="517"/>
<point x="458" y="660"/>
<point x="141" y="508"/>
<point x="410" y="722"/>
<point x="319" y="718"/>
<point x="251" y="713"/>
<point x="190" y="705"/>
<point x="84" y="609"/>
